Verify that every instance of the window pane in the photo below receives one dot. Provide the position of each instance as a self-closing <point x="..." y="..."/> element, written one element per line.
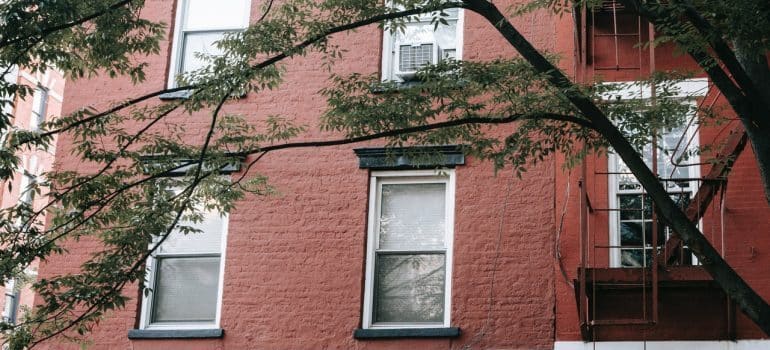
<point x="220" y="14"/>
<point x="632" y="257"/>
<point x="209" y="240"/>
<point x="638" y="257"/>
<point x="631" y="206"/>
<point x="186" y="290"/>
<point x="196" y="44"/>
<point x="412" y="216"/>
<point x="631" y="233"/>
<point x="409" y="288"/>
<point x="38" y="109"/>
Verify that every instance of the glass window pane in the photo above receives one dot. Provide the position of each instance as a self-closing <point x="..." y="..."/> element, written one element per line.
<point x="209" y="240"/>
<point x="409" y="288"/>
<point x="648" y="233"/>
<point x="631" y="233"/>
<point x="412" y="216"/>
<point x="186" y="290"/>
<point x="632" y="257"/>
<point x="632" y="205"/>
<point x="220" y="14"/>
<point x="195" y="44"/>
<point x="38" y="109"/>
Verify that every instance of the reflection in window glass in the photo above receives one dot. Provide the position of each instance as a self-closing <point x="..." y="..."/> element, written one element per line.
<point x="186" y="290"/>
<point x="409" y="288"/>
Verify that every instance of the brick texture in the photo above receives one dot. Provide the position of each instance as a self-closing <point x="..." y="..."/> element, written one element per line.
<point x="294" y="261"/>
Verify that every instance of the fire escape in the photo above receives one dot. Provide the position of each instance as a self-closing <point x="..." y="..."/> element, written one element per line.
<point x="655" y="300"/>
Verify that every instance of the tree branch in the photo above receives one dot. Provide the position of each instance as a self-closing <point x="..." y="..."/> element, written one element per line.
<point x="422" y="128"/>
<point x="47" y="31"/>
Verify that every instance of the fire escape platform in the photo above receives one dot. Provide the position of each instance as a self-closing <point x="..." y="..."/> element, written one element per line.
<point x="688" y="306"/>
<point x="670" y="275"/>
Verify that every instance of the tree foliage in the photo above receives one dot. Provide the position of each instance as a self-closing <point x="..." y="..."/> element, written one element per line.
<point x="510" y="111"/>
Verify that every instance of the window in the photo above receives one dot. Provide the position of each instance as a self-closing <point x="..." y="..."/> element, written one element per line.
<point x="409" y="249"/>
<point x="419" y="45"/>
<point x="185" y="277"/>
<point x="11" y="306"/>
<point x="26" y="197"/>
<point x="39" y="106"/>
<point x="200" y="23"/>
<point x="631" y="225"/>
<point x="27" y="194"/>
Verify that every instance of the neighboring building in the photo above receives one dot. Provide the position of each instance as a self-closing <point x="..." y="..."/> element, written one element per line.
<point x="29" y="113"/>
<point x="356" y="254"/>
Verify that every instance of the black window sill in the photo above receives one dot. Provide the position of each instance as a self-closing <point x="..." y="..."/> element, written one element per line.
<point x="175" y="333"/>
<point x="444" y="332"/>
<point x="399" y="158"/>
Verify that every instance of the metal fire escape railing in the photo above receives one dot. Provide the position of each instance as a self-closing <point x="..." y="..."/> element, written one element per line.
<point x="672" y="252"/>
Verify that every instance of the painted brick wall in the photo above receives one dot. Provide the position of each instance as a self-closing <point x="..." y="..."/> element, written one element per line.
<point x="294" y="261"/>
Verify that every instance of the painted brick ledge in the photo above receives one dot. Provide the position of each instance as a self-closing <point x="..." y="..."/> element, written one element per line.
<point x="175" y="333"/>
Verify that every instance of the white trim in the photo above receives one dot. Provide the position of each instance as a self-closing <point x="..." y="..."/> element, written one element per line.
<point x="636" y="90"/>
<point x="614" y="216"/>
<point x="446" y="176"/>
<point x="387" y="70"/>
<point x="146" y="305"/>
<point x="746" y="344"/>
<point x="179" y="28"/>
<point x="222" y="259"/>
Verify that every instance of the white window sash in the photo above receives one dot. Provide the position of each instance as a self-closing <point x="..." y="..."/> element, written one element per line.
<point x="39" y="108"/>
<point x="446" y="176"/>
<point x="180" y="29"/>
<point x="147" y="297"/>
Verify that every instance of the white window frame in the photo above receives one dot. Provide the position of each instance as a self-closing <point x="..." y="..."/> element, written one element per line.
<point x="148" y="297"/>
<point x="687" y="89"/>
<point x="26" y="194"/>
<point x="39" y="109"/>
<point x="389" y="45"/>
<point x="11" y="306"/>
<point x="175" y="63"/>
<point x="377" y="179"/>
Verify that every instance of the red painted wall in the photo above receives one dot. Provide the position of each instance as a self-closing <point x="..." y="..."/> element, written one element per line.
<point x="294" y="261"/>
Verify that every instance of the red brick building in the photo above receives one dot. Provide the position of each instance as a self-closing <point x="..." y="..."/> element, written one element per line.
<point x="29" y="113"/>
<point x="504" y="263"/>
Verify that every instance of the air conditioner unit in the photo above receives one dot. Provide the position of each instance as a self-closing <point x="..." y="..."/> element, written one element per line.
<point x="410" y="57"/>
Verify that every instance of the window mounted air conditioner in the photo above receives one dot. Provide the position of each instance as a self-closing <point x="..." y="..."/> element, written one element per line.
<point x="410" y="57"/>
